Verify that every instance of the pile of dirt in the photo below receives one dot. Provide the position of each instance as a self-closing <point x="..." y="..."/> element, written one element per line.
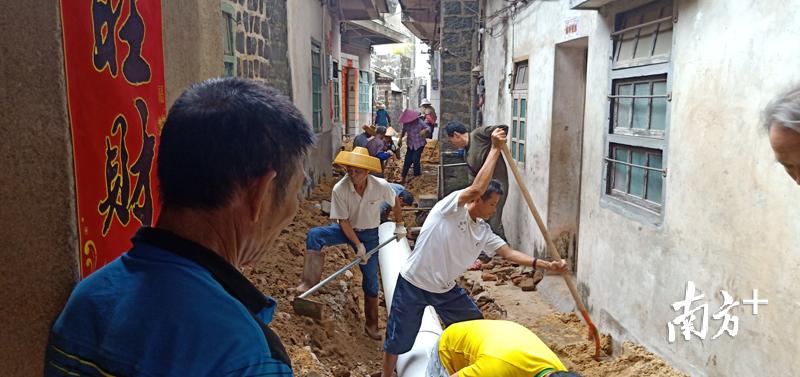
<point x="503" y="272"/>
<point x="564" y="333"/>
<point x="430" y="155"/>
<point x="427" y="183"/>
<point x="337" y="343"/>
<point x="632" y="360"/>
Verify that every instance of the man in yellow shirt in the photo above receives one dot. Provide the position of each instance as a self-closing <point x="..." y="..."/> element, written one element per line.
<point x="493" y="348"/>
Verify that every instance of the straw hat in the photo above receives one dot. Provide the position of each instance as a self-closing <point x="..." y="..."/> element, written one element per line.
<point x="424" y="102"/>
<point x="409" y="115"/>
<point x="369" y="129"/>
<point x="390" y="131"/>
<point x="358" y="158"/>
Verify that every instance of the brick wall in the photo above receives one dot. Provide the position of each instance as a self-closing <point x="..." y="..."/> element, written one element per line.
<point x="261" y="41"/>
<point x="459" y="53"/>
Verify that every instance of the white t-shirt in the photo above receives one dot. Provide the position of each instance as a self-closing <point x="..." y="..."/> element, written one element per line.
<point x="447" y="244"/>
<point x="363" y="212"/>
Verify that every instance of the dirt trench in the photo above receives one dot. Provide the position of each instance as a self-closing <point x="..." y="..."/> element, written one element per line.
<point x="337" y="345"/>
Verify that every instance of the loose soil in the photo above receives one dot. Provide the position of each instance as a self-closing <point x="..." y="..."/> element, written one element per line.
<point x="337" y="346"/>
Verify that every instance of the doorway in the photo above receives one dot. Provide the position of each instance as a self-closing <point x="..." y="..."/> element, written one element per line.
<point x="566" y="147"/>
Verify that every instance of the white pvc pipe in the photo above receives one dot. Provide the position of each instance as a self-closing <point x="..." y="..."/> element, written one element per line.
<point x="391" y="258"/>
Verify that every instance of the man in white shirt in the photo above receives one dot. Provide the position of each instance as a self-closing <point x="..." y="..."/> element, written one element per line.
<point x="453" y="235"/>
<point x="356" y="207"/>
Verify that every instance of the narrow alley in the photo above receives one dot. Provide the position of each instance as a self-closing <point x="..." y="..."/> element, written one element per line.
<point x="409" y="188"/>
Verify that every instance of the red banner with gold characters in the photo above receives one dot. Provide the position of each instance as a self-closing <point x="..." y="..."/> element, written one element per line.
<point x="114" y="61"/>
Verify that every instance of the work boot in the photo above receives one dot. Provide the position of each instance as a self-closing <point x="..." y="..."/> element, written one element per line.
<point x="312" y="271"/>
<point x="371" y="317"/>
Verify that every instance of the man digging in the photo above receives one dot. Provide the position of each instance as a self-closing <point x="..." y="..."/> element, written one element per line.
<point x="356" y="207"/>
<point x="453" y="235"/>
<point x="476" y="145"/>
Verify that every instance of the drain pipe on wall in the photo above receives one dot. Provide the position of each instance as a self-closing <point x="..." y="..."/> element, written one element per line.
<point x="391" y="258"/>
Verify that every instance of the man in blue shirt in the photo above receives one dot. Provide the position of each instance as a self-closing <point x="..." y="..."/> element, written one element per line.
<point x="229" y="170"/>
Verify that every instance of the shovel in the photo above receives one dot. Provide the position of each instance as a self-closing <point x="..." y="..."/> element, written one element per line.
<point x="551" y="247"/>
<point x="313" y="309"/>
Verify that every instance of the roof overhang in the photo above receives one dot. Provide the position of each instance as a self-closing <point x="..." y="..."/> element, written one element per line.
<point x="589" y="4"/>
<point x="370" y="33"/>
<point x="382" y="74"/>
<point x="359" y="9"/>
<point x="421" y="17"/>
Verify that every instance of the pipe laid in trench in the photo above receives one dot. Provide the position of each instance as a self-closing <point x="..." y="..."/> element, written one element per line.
<point x="391" y="258"/>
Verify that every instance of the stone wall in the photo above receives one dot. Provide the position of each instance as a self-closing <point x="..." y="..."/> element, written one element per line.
<point x="458" y="55"/>
<point x="261" y="42"/>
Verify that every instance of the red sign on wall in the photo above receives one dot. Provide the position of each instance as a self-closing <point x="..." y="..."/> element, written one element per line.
<point x="114" y="62"/>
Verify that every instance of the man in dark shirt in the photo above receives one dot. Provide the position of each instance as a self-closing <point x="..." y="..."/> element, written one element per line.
<point x="230" y="166"/>
<point x="476" y="145"/>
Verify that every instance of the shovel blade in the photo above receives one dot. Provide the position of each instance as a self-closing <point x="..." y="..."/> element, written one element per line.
<point x="308" y="308"/>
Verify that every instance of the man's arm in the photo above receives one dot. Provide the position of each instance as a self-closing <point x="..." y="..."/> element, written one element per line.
<point x="348" y="231"/>
<point x="484" y="176"/>
<point x="397" y="210"/>
<point x="523" y="259"/>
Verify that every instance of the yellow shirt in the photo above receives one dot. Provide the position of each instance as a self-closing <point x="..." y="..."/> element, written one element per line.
<point x="494" y="348"/>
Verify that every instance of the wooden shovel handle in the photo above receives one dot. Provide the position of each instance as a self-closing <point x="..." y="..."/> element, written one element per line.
<point x="551" y="247"/>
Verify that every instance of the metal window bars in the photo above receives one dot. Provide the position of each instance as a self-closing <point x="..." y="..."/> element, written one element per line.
<point x="668" y="96"/>
<point x="639" y="26"/>
<point x="662" y="170"/>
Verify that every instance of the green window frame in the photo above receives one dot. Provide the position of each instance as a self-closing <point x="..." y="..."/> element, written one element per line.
<point x="316" y="86"/>
<point x="636" y="176"/>
<point x="519" y="111"/>
<point x="639" y="98"/>
<point x="228" y="40"/>
<point x="337" y="92"/>
<point x="363" y="93"/>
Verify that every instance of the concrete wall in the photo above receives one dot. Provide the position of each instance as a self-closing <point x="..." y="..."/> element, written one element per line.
<point x="39" y="261"/>
<point x="728" y="222"/>
<point x="37" y="223"/>
<point x="306" y="24"/>
<point x="532" y="35"/>
<point x="192" y="44"/>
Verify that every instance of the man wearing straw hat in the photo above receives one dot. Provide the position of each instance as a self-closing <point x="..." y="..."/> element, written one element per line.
<point x="356" y="207"/>
<point x="362" y="139"/>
